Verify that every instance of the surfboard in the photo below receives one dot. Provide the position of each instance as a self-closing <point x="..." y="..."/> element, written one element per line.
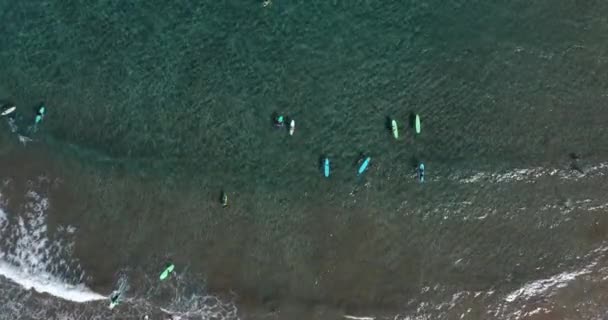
<point x="167" y="271"/>
<point x="292" y="127"/>
<point x="395" y="129"/>
<point x="364" y="165"/>
<point x="418" y="126"/>
<point x="8" y="111"/>
<point x="326" y="167"/>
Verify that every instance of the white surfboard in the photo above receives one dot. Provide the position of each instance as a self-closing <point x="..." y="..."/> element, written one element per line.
<point x="8" y="111"/>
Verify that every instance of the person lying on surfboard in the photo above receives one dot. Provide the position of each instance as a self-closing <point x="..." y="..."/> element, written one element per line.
<point x="421" y="172"/>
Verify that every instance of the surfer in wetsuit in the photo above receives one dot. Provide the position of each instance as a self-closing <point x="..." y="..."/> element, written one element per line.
<point x="40" y="114"/>
<point x="278" y="121"/>
<point x="421" y="172"/>
<point x="224" y="199"/>
<point x="114" y="299"/>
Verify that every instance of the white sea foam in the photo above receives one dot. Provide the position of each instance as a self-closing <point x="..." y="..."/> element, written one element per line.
<point x="48" y="284"/>
<point x="3" y="220"/>
<point x="24" y="140"/>
<point x="536" y="311"/>
<point x="359" y="318"/>
<point x="12" y="125"/>
<point x="570" y="205"/>
<point x="529" y="175"/>
<point x="32" y="259"/>
<point x="542" y="286"/>
<point x="194" y="306"/>
<point x="517" y="304"/>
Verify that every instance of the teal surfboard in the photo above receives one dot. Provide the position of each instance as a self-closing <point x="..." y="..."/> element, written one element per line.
<point x="364" y="165"/>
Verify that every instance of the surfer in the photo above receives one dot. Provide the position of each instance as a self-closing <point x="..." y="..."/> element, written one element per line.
<point x="278" y="121"/>
<point x="575" y="164"/>
<point x="421" y="172"/>
<point x="114" y="299"/>
<point x="325" y="165"/>
<point x="40" y="114"/>
<point x="224" y="199"/>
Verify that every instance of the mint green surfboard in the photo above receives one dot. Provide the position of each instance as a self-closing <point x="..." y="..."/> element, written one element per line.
<point x="165" y="274"/>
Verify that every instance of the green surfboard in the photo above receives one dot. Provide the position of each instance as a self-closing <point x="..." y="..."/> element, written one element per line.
<point x="165" y="274"/>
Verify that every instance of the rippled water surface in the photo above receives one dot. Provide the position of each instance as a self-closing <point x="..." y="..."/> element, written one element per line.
<point x="154" y="108"/>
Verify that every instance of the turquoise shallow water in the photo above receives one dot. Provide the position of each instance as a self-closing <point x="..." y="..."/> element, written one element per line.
<point x="155" y="107"/>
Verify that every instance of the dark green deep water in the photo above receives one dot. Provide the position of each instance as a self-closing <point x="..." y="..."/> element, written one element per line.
<point x="156" y="106"/>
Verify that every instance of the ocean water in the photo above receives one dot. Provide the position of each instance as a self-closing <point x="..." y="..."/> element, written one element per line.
<point x="154" y="108"/>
